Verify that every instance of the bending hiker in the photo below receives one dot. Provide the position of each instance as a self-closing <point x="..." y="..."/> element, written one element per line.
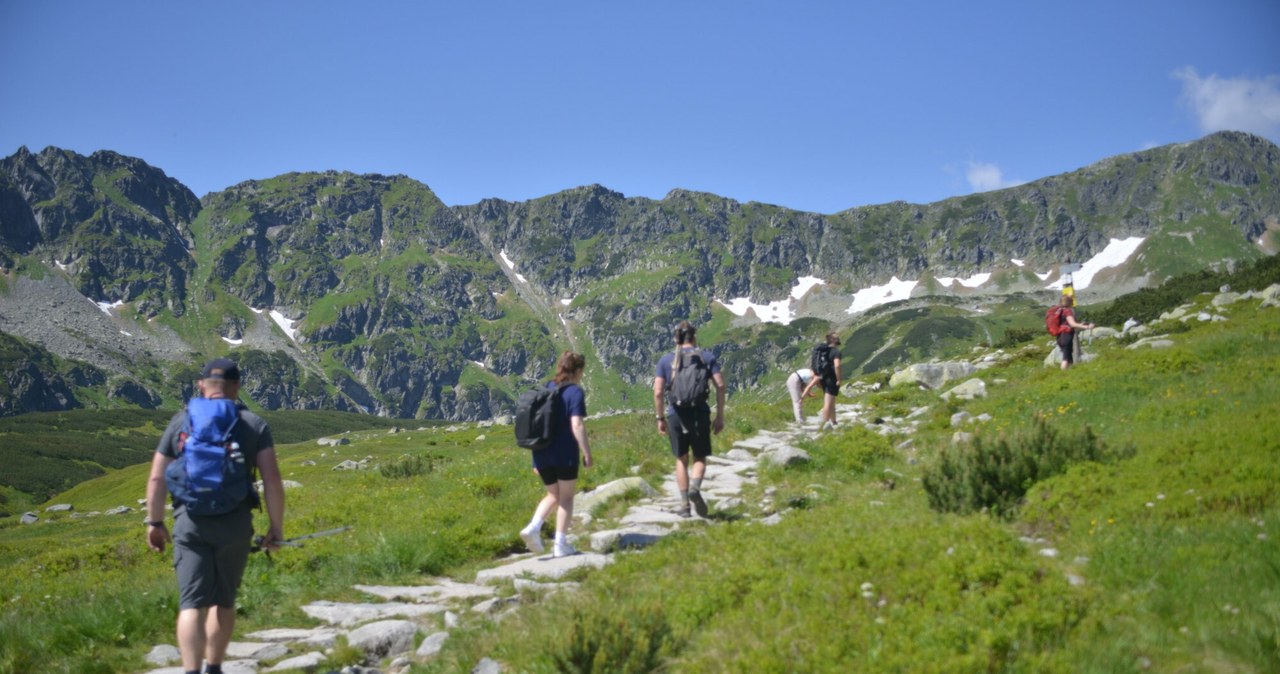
<point x="205" y="460"/>
<point x="684" y="375"/>
<point x="826" y="364"/>
<point x="557" y="463"/>
<point x="1065" y="318"/>
<point x="797" y="386"/>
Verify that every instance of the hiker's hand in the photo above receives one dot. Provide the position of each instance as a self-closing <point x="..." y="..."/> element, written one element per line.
<point x="157" y="537"/>
<point x="718" y="424"/>
<point x="272" y="540"/>
<point x="662" y="425"/>
<point x="586" y="459"/>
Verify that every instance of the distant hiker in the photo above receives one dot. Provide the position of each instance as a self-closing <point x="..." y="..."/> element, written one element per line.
<point x="825" y="363"/>
<point x="216" y="437"/>
<point x="684" y="376"/>
<point x="1061" y="322"/>
<point x="797" y="387"/>
<point x="557" y="463"/>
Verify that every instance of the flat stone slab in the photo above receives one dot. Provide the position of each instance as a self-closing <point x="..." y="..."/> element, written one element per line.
<point x="639" y="536"/>
<point x="321" y="637"/>
<point x="256" y="651"/>
<point x="441" y="589"/>
<point x="652" y="515"/>
<point x="760" y="443"/>
<point x="307" y="661"/>
<point x="586" y="501"/>
<point x="543" y="567"/>
<point x="228" y="667"/>
<point x="347" y="615"/>
<point x="524" y="585"/>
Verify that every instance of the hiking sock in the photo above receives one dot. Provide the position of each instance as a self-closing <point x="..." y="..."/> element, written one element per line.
<point x="192" y="671"/>
<point x="561" y="540"/>
<point x="534" y="524"/>
<point x="213" y="669"/>
<point x="684" y="498"/>
<point x="695" y="484"/>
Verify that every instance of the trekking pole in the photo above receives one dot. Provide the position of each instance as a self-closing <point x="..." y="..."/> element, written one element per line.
<point x="259" y="541"/>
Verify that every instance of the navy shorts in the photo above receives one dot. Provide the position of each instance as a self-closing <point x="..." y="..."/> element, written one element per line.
<point x="1065" y="344"/>
<point x="209" y="554"/>
<point x="552" y="474"/>
<point x="690" y="430"/>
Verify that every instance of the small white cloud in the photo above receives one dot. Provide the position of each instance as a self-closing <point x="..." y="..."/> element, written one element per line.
<point x="1232" y="103"/>
<point x="984" y="177"/>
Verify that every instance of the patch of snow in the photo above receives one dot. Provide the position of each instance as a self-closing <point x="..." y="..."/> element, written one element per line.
<point x="971" y="282"/>
<point x="126" y="334"/>
<point x="285" y="324"/>
<point x="256" y="311"/>
<point x="479" y="363"/>
<point x="567" y="302"/>
<point x="511" y="265"/>
<point x="773" y="312"/>
<point x="67" y="267"/>
<point x="874" y="296"/>
<point x="1114" y="255"/>
<point x="233" y="342"/>
<point x="1019" y="263"/>
<point x="106" y="307"/>
<point x="804" y="284"/>
<point x="1044" y="275"/>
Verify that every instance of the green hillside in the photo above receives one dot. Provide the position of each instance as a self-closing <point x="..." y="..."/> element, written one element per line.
<point x="1164" y="553"/>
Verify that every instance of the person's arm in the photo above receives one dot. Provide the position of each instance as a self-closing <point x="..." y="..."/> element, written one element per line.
<point x="659" y="386"/>
<point x="273" y="492"/>
<point x="835" y="363"/>
<point x="717" y="424"/>
<point x="580" y="434"/>
<point x="157" y="535"/>
<point x="1071" y="321"/>
<point x="808" y="388"/>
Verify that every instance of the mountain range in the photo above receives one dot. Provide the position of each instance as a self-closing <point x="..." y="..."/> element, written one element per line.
<point x="367" y="293"/>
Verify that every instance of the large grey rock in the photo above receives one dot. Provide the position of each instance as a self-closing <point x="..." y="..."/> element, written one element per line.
<point x="784" y="456"/>
<point x="931" y="375"/>
<point x="384" y="638"/>
<point x="587" y="501"/>
<point x="256" y="651"/>
<point x="1270" y="295"/>
<point x="163" y="654"/>
<point x="440" y="590"/>
<point x="307" y="662"/>
<point x="60" y="508"/>
<point x="432" y="645"/>
<point x="542" y="567"/>
<point x="29" y="518"/>
<point x="628" y="538"/>
<point x="346" y="615"/>
<point x="1225" y="298"/>
<point x="969" y="390"/>
<point x="332" y="442"/>
<point x="320" y="637"/>
<point x="1154" y="342"/>
<point x="487" y="666"/>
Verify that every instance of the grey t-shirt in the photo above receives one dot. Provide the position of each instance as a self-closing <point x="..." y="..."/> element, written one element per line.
<point x="251" y="432"/>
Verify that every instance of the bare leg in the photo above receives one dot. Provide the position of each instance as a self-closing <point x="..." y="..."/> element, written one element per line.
<point x="191" y="637"/>
<point x="219" y="624"/>
<point x="682" y="472"/>
<point x="564" y="515"/>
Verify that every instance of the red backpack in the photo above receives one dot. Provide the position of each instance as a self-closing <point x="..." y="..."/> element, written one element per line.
<point x="1055" y="320"/>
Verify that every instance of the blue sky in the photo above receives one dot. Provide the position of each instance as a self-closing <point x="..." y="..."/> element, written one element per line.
<point x="819" y="106"/>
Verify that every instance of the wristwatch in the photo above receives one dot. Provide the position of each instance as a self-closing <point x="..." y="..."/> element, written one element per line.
<point x="155" y="523"/>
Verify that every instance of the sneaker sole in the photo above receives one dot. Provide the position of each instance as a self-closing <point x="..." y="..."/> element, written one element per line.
<point x="533" y="541"/>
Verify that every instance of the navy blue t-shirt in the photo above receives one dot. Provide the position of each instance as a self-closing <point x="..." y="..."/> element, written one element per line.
<point x="664" y="370"/>
<point x="563" y="450"/>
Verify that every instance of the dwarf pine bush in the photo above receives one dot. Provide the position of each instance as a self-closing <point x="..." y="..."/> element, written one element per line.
<point x="994" y="475"/>
<point x="603" y="639"/>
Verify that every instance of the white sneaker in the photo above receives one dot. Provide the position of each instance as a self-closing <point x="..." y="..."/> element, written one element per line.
<point x="564" y="550"/>
<point x="532" y="539"/>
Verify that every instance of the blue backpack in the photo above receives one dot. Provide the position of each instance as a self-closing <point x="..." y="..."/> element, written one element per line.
<point x="210" y="476"/>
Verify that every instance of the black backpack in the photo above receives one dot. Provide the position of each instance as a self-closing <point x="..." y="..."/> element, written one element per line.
<point x="537" y="413"/>
<point x="690" y="379"/>
<point x="820" y="362"/>
<point x="210" y="476"/>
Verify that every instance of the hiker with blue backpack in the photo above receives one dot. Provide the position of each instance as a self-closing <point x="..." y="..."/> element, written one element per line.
<point x="206" y="461"/>
<point x="825" y="363"/>
<point x="552" y="426"/>
<point x="684" y="377"/>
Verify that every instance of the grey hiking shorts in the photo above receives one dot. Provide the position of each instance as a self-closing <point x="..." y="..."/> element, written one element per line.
<point x="209" y="554"/>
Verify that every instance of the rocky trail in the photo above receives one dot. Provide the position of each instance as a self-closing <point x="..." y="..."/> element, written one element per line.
<point x="387" y="626"/>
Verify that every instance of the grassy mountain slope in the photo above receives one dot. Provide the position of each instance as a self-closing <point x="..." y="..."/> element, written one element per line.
<point x="1166" y="559"/>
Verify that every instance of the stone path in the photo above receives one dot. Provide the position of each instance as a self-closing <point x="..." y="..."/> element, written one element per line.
<point x="387" y="628"/>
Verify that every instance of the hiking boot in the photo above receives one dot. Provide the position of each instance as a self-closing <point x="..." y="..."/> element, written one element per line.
<point x="683" y="511"/>
<point x="532" y="539"/>
<point x="699" y="505"/>
<point x="563" y="550"/>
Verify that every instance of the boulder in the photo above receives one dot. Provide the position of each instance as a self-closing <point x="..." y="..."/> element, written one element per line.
<point x="384" y="638"/>
<point x="432" y="645"/>
<point x="784" y="456"/>
<point x="1155" y="342"/>
<point x="332" y="442"/>
<point x="974" y="388"/>
<point x="1271" y="295"/>
<point x="307" y="662"/>
<point x="60" y="508"/>
<point x="931" y="375"/>
<point x="586" y="501"/>
<point x="163" y="654"/>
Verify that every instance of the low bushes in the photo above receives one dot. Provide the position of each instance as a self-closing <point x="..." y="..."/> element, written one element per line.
<point x="994" y="475"/>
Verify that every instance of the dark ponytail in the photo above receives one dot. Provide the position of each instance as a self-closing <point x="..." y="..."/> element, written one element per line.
<point x="685" y="333"/>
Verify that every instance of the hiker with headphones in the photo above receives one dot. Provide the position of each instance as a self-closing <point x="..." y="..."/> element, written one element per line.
<point x="684" y="377"/>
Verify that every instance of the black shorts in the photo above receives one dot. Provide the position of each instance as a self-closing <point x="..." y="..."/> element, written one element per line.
<point x="690" y="430"/>
<point x="1065" y="344"/>
<point x="830" y="387"/>
<point x="209" y="554"/>
<point x="553" y="474"/>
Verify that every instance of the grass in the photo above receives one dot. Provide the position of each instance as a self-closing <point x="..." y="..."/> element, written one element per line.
<point x="1165" y="560"/>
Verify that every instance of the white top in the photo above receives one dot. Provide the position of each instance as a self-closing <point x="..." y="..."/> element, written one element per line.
<point x="805" y="374"/>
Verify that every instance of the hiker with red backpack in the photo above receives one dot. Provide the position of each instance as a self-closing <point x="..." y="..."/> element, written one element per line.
<point x="684" y="376"/>
<point x="205" y="460"/>
<point x="1061" y="322"/>
<point x="557" y="461"/>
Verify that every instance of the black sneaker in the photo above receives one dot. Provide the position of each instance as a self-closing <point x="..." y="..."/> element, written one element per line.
<point x="683" y="511"/>
<point x="699" y="505"/>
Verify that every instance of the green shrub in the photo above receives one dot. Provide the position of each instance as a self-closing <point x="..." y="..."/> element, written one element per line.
<point x="1015" y="336"/>
<point x="603" y="639"/>
<point x="408" y="465"/>
<point x="850" y="451"/>
<point x="994" y="475"/>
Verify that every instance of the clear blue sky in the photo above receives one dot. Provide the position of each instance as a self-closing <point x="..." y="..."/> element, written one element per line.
<point x="819" y="106"/>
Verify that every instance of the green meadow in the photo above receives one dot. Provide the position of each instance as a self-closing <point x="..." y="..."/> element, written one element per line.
<point x="1121" y="516"/>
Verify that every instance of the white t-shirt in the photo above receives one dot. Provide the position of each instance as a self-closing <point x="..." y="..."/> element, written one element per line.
<point x="805" y="375"/>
